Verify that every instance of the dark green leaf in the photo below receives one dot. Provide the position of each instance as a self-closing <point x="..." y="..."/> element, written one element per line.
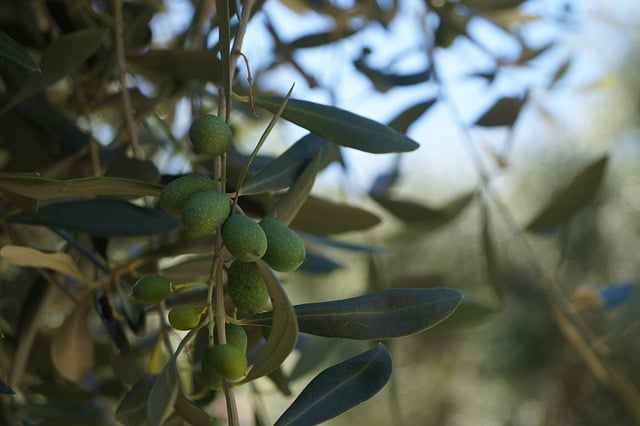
<point x="5" y="389"/>
<point x="313" y="352"/>
<point x="283" y="171"/>
<point x="578" y="193"/>
<point x="290" y="203"/>
<point x="132" y="410"/>
<point x="191" y="413"/>
<point x="284" y="329"/>
<point x="49" y="189"/>
<point x="468" y="314"/>
<point x="11" y="50"/>
<point x="504" y="112"/>
<point x="101" y="217"/>
<point x="319" y="264"/>
<point x="489" y="5"/>
<point x="425" y="216"/>
<point x="323" y="217"/>
<point x="340" y="126"/>
<point x="163" y="393"/>
<point x="380" y="315"/>
<point x="181" y="64"/>
<point x="321" y="38"/>
<point x="406" y="118"/>
<point x="341" y="244"/>
<point x="63" y="56"/>
<point x="340" y="388"/>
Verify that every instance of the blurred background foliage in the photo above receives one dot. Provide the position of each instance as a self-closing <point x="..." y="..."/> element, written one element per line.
<point x="524" y="194"/>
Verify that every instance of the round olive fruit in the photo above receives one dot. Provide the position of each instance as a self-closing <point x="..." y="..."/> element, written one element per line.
<point x="244" y="238"/>
<point x="210" y="135"/>
<point x="204" y="212"/>
<point x="175" y="193"/>
<point x="236" y="336"/>
<point x="285" y="249"/>
<point x="228" y="361"/>
<point x="247" y="287"/>
<point x="184" y="317"/>
<point x="209" y="374"/>
<point x="152" y="289"/>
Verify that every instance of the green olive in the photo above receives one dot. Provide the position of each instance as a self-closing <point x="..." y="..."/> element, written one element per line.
<point x="285" y="249"/>
<point x="152" y="289"/>
<point x="246" y="287"/>
<point x="244" y="238"/>
<point x="228" y="361"/>
<point x="236" y="336"/>
<point x="175" y="193"/>
<point x="204" y="212"/>
<point x="210" y="135"/>
<point x="184" y="317"/>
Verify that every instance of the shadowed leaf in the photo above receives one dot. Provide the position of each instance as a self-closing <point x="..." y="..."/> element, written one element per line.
<point x="11" y="50"/>
<point x="284" y="329"/>
<point x="5" y="389"/>
<point x="504" y="112"/>
<point x="132" y="410"/>
<point x="72" y="347"/>
<point x="340" y="388"/>
<point x="181" y="64"/>
<point x="30" y="257"/>
<point x="578" y="193"/>
<point x="323" y="217"/>
<point x="163" y="394"/>
<point x="101" y="217"/>
<point x="406" y="118"/>
<point x="49" y="189"/>
<point x="339" y="126"/>
<point x="380" y="315"/>
<point x="629" y="313"/>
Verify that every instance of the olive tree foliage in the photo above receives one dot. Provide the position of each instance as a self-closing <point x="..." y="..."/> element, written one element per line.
<point x="88" y="107"/>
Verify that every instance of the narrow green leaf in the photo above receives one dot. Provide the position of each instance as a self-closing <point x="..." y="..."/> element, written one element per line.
<point x="321" y="38"/>
<point x="491" y="5"/>
<point x="342" y="245"/>
<point x="191" y="413"/>
<point x="468" y="314"/>
<point x="163" y="394"/>
<point x="323" y="217"/>
<point x="290" y="203"/>
<point x="504" y="112"/>
<point x="101" y="217"/>
<point x="319" y="264"/>
<point x="132" y="410"/>
<point x="34" y="258"/>
<point x="12" y="51"/>
<point x="41" y="188"/>
<point x="380" y="315"/>
<point x="425" y="216"/>
<point x="283" y="171"/>
<point x="339" y="126"/>
<point x="340" y="388"/>
<point x="313" y="353"/>
<point x="5" y="389"/>
<point x="284" y="329"/>
<point x="577" y="194"/>
<point x="180" y="64"/>
<point x="63" y="56"/>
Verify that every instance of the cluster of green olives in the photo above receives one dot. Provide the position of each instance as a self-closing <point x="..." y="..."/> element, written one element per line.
<point x="204" y="211"/>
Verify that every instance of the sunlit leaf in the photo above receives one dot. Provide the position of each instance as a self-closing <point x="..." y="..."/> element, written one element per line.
<point x="33" y="258"/>
<point x="323" y="217"/>
<point x="284" y="329"/>
<point x="380" y="315"/>
<point x="406" y="118"/>
<point x="72" y="347"/>
<point x="49" y="189"/>
<point x="132" y="410"/>
<point x="504" y="112"/>
<point x="566" y="202"/>
<point x="340" y="388"/>
<point x="101" y="217"/>
<point x="63" y="56"/>
<point x="290" y="203"/>
<point x="5" y="389"/>
<point x="163" y="394"/>
<point x="284" y="170"/>
<point x="428" y="218"/>
<point x="11" y="50"/>
<point x="181" y="64"/>
<point x="339" y="126"/>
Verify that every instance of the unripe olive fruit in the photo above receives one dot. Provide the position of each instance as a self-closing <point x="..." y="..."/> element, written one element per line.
<point x="229" y="361"/>
<point x="152" y="289"/>
<point x="184" y="317"/>
<point x="244" y="238"/>
<point x="210" y="135"/>
<point x="236" y="336"/>
<point x="285" y="249"/>
<point x="246" y="287"/>
<point x="211" y="377"/>
<point x="175" y="193"/>
<point x="204" y="212"/>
